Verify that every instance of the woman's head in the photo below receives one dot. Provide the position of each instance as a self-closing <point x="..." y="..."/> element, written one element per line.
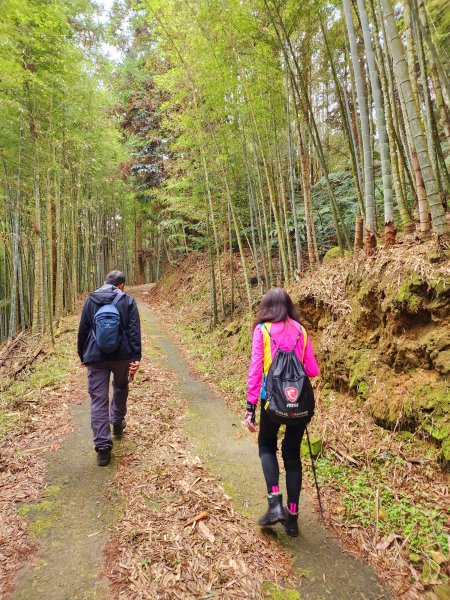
<point x="276" y="306"/>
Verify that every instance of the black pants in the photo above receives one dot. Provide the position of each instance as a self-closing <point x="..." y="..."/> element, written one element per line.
<point x="290" y="450"/>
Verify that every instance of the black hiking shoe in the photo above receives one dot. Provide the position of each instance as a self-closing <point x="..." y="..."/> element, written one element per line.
<point x="103" y="456"/>
<point x="275" y="514"/>
<point x="291" y="523"/>
<point x="118" y="428"/>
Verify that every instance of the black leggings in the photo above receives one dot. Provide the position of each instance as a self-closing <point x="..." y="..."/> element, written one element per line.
<point x="290" y="450"/>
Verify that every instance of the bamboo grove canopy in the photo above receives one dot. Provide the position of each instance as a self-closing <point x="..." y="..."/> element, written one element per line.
<point x="263" y="127"/>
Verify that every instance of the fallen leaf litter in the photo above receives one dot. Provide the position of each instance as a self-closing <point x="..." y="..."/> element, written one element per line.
<point x="179" y="536"/>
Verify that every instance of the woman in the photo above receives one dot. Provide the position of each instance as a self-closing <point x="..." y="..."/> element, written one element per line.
<point x="278" y="316"/>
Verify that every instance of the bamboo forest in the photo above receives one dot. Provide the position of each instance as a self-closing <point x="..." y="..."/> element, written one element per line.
<point x="210" y="152"/>
<point x="282" y="128"/>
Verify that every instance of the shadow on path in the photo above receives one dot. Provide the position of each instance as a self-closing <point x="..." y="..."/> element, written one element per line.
<point x="215" y="435"/>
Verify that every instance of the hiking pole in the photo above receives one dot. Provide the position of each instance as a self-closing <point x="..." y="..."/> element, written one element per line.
<point x="314" y="473"/>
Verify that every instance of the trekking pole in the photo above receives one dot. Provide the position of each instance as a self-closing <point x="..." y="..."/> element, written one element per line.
<point x="314" y="473"/>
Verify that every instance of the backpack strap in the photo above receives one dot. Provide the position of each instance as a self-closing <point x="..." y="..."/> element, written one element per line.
<point x="305" y="339"/>
<point x="297" y="340"/>
<point x="267" y="352"/>
<point x="302" y="332"/>
<point x="273" y="340"/>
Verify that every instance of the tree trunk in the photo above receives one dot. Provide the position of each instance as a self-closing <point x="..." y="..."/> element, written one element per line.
<point x="369" y="196"/>
<point x="298" y="247"/>
<point x="307" y="200"/>
<point x="381" y="123"/>
<point x="401" y="72"/>
<point x="405" y="215"/>
<point x="214" y="228"/>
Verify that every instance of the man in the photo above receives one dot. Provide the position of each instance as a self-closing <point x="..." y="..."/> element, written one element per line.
<point x="109" y="341"/>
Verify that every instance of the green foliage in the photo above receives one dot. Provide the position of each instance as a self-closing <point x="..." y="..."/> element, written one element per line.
<point x="61" y="193"/>
<point x="316" y="447"/>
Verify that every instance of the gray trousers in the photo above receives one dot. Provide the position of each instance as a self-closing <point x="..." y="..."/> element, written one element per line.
<point x="102" y="412"/>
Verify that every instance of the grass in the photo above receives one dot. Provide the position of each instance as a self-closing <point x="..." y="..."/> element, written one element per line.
<point x="215" y="355"/>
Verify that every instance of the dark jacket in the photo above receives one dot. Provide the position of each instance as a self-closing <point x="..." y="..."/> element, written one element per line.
<point x="130" y="344"/>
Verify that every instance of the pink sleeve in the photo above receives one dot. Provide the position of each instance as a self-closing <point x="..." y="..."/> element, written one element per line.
<point x="255" y="372"/>
<point x="310" y="362"/>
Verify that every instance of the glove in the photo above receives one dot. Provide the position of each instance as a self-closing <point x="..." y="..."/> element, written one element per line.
<point x="250" y="415"/>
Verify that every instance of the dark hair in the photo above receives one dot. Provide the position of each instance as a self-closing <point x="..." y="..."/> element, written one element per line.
<point x="115" y="278"/>
<point x="276" y="306"/>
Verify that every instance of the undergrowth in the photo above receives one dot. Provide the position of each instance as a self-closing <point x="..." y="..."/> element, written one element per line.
<point x="47" y="373"/>
<point x="368" y="500"/>
<point x="216" y="361"/>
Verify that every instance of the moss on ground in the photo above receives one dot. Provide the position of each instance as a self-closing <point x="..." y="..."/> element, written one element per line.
<point x="41" y="515"/>
<point x="407" y="294"/>
<point x="445" y="449"/>
<point x="359" y="365"/>
<point x="273" y="592"/>
<point x="432" y="411"/>
<point x="334" y="253"/>
<point x="316" y="447"/>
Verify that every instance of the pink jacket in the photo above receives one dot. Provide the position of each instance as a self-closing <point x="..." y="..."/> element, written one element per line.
<point x="285" y="334"/>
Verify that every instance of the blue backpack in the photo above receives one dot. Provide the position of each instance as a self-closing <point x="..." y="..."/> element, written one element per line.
<point x="107" y="330"/>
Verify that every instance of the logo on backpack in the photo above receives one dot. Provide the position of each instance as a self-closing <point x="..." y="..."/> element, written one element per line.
<point x="107" y="329"/>
<point x="291" y="394"/>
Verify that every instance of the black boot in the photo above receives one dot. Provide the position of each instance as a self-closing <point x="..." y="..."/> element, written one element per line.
<point x="275" y="514"/>
<point x="118" y="428"/>
<point x="291" y="523"/>
<point x="103" y="456"/>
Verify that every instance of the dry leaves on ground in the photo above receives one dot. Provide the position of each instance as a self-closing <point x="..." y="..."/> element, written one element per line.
<point x="328" y="286"/>
<point x="179" y="536"/>
<point x="22" y="473"/>
<point x="358" y="438"/>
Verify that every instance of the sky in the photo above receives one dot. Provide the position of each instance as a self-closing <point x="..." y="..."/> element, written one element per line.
<point x="106" y="5"/>
<point x="110" y="51"/>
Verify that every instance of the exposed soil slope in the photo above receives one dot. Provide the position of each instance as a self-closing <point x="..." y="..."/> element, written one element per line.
<point x="384" y="326"/>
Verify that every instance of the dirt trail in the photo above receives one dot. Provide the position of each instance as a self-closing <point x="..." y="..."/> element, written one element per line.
<point x="215" y="435"/>
<point x="80" y="504"/>
<point x="71" y="522"/>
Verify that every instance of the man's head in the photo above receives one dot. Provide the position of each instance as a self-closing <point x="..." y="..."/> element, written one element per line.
<point x="116" y="278"/>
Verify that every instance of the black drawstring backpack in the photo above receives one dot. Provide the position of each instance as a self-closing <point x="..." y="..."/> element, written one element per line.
<point x="289" y="393"/>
